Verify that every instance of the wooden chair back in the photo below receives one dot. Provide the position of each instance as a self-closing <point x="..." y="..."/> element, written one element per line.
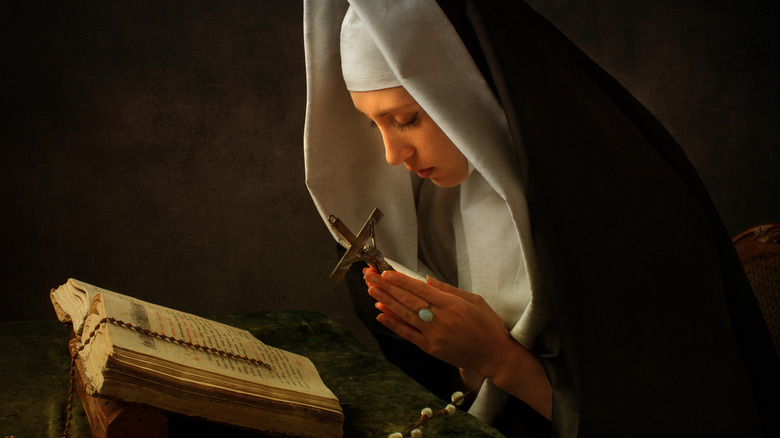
<point x="759" y="249"/>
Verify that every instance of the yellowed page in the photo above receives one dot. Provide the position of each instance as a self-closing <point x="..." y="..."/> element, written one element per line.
<point x="72" y="300"/>
<point x="288" y="371"/>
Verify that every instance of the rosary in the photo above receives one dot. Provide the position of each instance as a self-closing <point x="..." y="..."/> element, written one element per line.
<point x="120" y="323"/>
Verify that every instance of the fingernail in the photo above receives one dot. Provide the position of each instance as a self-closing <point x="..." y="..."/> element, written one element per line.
<point x="388" y="275"/>
<point x="432" y="281"/>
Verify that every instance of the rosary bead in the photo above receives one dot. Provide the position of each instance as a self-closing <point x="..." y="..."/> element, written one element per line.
<point x="451" y="409"/>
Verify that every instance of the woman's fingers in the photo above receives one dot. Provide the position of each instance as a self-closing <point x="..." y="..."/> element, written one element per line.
<point x="404" y="330"/>
<point x="399" y="305"/>
<point x="366" y="271"/>
<point x="444" y="287"/>
<point x="409" y="291"/>
<point x="411" y="298"/>
<point x="464" y="329"/>
<point x="401" y="311"/>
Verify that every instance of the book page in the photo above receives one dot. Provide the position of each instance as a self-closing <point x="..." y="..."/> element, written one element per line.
<point x="72" y="300"/>
<point x="288" y="371"/>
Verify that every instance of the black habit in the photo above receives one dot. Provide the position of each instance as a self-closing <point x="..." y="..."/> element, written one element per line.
<point x="660" y="333"/>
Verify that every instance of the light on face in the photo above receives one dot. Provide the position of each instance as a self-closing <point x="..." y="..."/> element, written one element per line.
<point x="411" y="137"/>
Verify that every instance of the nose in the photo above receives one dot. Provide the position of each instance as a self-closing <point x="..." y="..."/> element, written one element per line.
<point x="397" y="149"/>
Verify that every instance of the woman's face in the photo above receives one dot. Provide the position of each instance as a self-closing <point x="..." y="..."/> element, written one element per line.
<point x="411" y="137"/>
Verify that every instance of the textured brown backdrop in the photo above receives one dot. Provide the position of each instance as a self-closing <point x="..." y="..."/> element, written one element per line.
<point x="154" y="147"/>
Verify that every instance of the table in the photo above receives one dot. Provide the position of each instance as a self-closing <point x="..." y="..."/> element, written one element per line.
<point x="377" y="397"/>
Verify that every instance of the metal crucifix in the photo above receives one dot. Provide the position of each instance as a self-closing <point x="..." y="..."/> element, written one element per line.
<point x="361" y="247"/>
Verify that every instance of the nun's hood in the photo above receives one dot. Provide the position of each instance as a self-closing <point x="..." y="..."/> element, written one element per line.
<point x="345" y="169"/>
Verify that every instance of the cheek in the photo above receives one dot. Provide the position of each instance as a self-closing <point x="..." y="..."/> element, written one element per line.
<point x="453" y="163"/>
<point x="464" y="166"/>
<point x="459" y="164"/>
<point x="455" y="157"/>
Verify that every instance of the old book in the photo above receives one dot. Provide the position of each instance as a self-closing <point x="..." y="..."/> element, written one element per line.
<point x="282" y="393"/>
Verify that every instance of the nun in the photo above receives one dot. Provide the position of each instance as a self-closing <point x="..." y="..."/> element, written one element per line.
<point x="555" y="252"/>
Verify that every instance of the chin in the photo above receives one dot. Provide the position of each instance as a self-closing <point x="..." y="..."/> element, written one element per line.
<point x="446" y="183"/>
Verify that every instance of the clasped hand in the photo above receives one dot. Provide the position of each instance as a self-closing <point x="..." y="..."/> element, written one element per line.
<point x="465" y="331"/>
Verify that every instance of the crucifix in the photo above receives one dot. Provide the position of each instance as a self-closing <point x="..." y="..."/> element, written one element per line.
<point x="361" y="247"/>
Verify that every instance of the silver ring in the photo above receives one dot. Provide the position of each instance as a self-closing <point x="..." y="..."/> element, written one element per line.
<point x="426" y="314"/>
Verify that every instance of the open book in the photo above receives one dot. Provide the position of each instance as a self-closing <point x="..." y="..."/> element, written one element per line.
<point x="127" y="365"/>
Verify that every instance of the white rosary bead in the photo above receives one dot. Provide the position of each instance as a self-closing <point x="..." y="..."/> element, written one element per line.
<point x="451" y="409"/>
<point x="428" y="412"/>
<point x="416" y="433"/>
<point x="395" y="435"/>
<point x="457" y="398"/>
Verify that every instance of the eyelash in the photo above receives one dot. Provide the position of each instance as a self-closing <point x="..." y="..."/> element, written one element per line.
<point x="400" y="126"/>
<point x="408" y="125"/>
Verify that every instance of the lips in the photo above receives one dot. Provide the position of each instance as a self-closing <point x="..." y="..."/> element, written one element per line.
<point x="425" y="173"/>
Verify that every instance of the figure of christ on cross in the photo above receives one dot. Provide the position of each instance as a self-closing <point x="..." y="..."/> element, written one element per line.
<point x="361" y="247"/>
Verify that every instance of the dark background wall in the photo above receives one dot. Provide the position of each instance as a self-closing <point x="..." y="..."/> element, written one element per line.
<point x="710" y="71"/>
<point x="155" y="147"/>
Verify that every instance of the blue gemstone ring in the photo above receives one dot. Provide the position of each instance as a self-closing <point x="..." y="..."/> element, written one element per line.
<point x="426" y="314"/>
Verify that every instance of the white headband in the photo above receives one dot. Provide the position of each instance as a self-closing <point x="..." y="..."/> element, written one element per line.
<point x="362" y="64"/>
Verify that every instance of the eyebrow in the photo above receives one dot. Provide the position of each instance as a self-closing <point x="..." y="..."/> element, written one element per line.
<point x="387" y="111"/>
<point x="396" y="108"/>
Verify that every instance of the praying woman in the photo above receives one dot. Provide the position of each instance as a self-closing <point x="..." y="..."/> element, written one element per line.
<point x="554" y="251"/>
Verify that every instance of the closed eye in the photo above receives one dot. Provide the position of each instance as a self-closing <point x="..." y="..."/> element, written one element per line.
<point x="409" y="124"/>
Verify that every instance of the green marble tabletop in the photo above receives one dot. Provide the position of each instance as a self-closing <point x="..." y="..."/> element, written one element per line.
<point x="377" y="398"/>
